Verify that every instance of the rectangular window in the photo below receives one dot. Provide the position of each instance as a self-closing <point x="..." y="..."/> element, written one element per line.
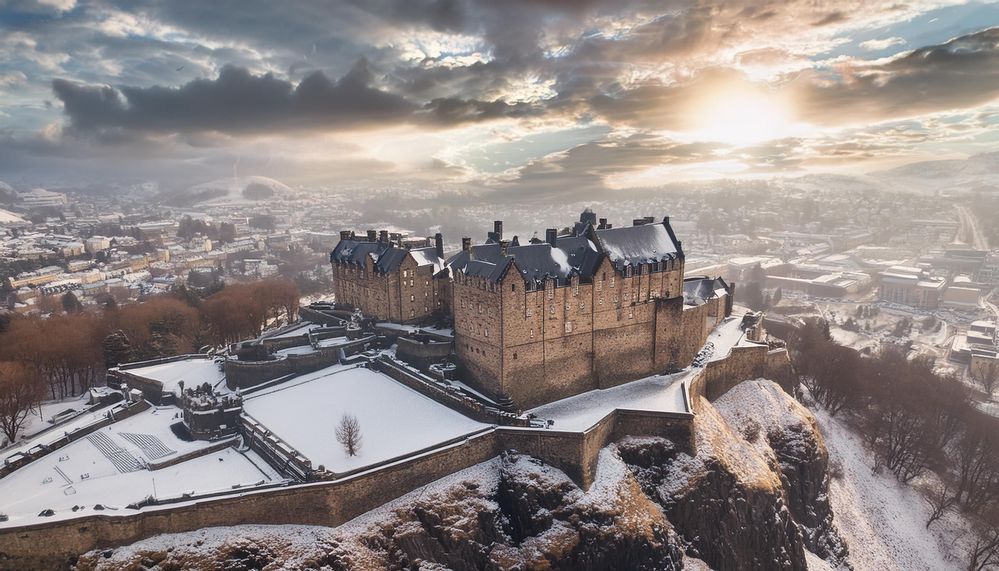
<point x="529" y="312"/>
<point x="412" y="298"/>
<point x="568" y="327"/>
<point x="612" y="281"/>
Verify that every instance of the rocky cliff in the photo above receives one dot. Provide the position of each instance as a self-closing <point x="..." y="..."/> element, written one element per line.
<point x="736" y="498"/>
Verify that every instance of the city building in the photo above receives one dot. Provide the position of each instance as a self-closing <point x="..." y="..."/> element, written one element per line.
<point x="910" y="286"/>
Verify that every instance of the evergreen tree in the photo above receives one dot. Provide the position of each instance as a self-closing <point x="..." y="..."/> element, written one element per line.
<point x="117" y="349"/>
<point x="70" y="303"/>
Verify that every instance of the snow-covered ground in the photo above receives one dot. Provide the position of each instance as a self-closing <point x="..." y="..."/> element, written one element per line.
<point x="193" y="372"/>
<point x="726" y="335"/>
<point x="394" y="419"/>
<point x="109" y="467"/>
<point x="882" y="520"/>
<point x="298" y="330"/>
<point x="46" y="437"/>
<point x="659" y="393"/>
<point x="41" y="418"/>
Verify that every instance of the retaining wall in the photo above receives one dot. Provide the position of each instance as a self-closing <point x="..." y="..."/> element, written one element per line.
<point x="245" y="374"/>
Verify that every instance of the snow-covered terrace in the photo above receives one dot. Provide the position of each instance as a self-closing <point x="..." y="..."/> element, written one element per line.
<point x="110" y="467"/>
<point x="395" y="420"/>
<point x="193" y="371"/>
<point x="297" y="330"/>
<point x="306" y="349"/>
<point x="659" y="393"/>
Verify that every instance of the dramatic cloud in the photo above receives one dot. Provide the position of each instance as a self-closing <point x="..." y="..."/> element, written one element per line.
<point x="586" y="96"/>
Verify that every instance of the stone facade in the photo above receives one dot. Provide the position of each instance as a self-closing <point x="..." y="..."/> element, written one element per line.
<point x="536" y="342"/>
<point x="385" y="280"/>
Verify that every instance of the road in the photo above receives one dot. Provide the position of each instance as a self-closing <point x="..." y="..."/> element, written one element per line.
<point x="969" y="232"/>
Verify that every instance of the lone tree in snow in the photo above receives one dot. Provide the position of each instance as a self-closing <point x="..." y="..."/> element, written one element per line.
<point x="348" y="434"/>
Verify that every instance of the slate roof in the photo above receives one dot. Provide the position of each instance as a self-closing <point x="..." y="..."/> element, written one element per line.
<point x="578" y="254"/>
<point x="386" y="256"/>
<point x="698" y="290"/>
<point x="632" y="245"/>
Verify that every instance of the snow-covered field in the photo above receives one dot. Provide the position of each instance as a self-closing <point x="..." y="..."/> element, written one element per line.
<point x="394" y="419"/>
<point x="192" y="371"/>
<point x="109" y="467"/>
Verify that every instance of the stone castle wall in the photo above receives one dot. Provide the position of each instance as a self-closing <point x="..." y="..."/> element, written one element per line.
<point x="53" y="545"/>
<point x="246" y="374"/>
<point x="553" y="342"/>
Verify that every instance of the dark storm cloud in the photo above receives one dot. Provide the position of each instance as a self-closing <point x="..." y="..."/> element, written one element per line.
<point x="239" y="101"/>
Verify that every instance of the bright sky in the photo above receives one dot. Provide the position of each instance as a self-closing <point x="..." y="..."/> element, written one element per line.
<point x="506" y="95"/>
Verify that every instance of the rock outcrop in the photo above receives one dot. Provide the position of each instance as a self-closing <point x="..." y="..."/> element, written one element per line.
<point x="512" y="513"/>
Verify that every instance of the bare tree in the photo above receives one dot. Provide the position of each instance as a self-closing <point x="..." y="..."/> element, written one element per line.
<point x="987" y="376"/>
<point x="348" y="434"/>
<point x="21" y="389"/>
<point x="984" y="553"/>
<point x="941" y="497"/>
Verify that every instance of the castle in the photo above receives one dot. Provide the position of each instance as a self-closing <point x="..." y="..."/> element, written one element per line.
<point x="539" y="321"/>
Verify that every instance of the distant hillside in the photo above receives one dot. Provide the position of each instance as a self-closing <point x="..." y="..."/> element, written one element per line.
<point x="246" y="189"/>
<point x="975" y="174"/>
<point x="7" y="193"/>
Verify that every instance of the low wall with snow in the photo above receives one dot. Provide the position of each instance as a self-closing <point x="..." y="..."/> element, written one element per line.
<point x="423" y="352"/>
<point x="576" y="453"/>
<point x="245" y="374"/>
<point x="745" y="362"/>
<point x="55" y="545"/>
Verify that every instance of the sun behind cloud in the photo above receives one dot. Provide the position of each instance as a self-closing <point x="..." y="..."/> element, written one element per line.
<point x="741" y="115"/>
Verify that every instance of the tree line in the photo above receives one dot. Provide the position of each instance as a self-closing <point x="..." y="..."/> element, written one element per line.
<point x="67" y="353"/>
<point x="916" y="421"/>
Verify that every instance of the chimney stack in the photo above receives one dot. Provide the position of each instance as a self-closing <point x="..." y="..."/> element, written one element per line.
<point x="603" y="224"/>
<point x="650" y="219"/>
<point x="503" y="245"/>
<point x="498" y="229"/>
<point x="439" y="245"/>
<point x="345" y="234"/>
<point x="551" y="236"/>
<point x="637" y="221"/>
<point x="372" y="235"/>
<point x="383" y="236"/>
<point x="466" y="244"/>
